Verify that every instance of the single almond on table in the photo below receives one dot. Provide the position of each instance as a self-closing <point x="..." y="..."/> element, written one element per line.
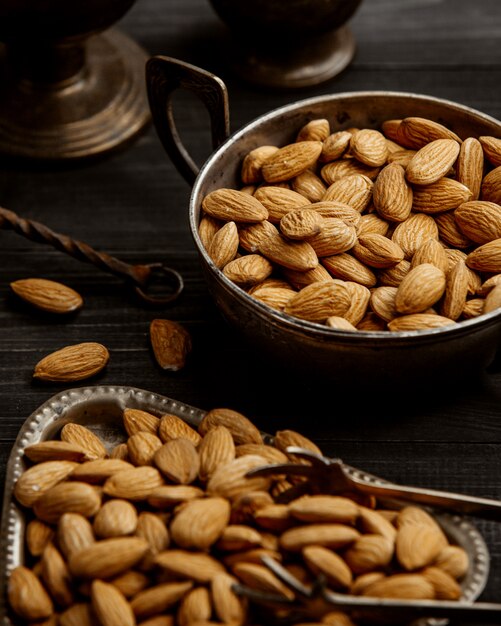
<point x="71" y="363"/>
<point x="48" y="295"/>
<point x="171" y="343"/>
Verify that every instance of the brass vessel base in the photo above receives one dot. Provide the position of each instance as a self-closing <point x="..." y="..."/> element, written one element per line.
<point x="310" y="63"/>
<point x="97" y="110"/>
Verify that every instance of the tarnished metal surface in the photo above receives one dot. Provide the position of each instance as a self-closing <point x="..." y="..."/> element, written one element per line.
<point x="100" y="408"/>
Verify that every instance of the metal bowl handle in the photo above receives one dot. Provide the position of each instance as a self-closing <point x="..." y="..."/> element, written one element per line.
<point x="163" y="76"/>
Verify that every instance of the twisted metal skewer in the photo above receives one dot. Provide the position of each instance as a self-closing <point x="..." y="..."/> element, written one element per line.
<point x="140" y="275"/>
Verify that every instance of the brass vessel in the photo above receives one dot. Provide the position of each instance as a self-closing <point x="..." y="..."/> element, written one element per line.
<point x="70" y="85"/>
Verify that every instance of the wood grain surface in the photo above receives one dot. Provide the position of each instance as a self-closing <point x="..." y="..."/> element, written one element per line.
<point x="133" y="204"/>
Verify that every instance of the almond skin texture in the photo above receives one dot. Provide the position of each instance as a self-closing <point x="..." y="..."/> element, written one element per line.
<point x="69" y="497"/>
<point x="48" y="295"/>
<point x="248" y="270"/>
<point x="224" y="245"/>
<point x="230" y="205"/>
<point x="420" y="289"/>
<point x="479" y="220"/>
<point x="27" y="597"/>
<point x="432" y="161"/>
<point x="171" y="344"/>
<point x="108" y="557"/>
<point x="279" y="201"/>
<point x="323" y="561"/>
<point x="492" y="149"/>
<point x="252" y="163"/>
<point x="85" y="439"/>
<point x="294" y="255"/>
<point x="377" y="251"/>
<point x="178" y="460"/>
<point x="412" y="233"/>
<point x="110" y="605"/>
<point x="291" y="160"/>
<point x="486" y="258"/>
<point x="72" y="363"/>
<point x="355" y="191"/>
<point x="217" y="448"/>
<point x="491" y="186"/>
<point x="392" y="195"/>
<point x="318" y="301"/>
<point x="470" y="166"/>
<point x="36" y="480"/>
<point x="241" y="428"/>
<point x="200" y="523"/>
<point x="444" y="195"/>
<point x="370" y="147"/>
<point x="416" y="132"/>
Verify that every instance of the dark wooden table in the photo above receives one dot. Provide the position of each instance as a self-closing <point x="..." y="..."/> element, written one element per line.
<point x="133" y="204"/>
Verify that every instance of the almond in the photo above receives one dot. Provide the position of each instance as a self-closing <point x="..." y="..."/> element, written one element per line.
<point x="136" y="421"/>
<point x="54" y="451"/>
<point x="377" y="251"/>
<point x="301" y="223"/>
<point x="224" y="245"/>
<point x="36" y="480"/>
<point x="275" y="517"/>
<point x="38" y="535"/>
<point x="159" y="598"/>
<point x="134" y="484"/>
<point x="493" y="300"/>
<point x="456" y="291"/>
<point x="309" y="185"/>
<point x="74" y="533"/>
<point x="171" y="343"/>
<point x="446" y="588"/>
<point x="368" y="553"/>
<point x="492" y="149"/>
<point x="231" y="205"/>
<point x="338" y="209"/>
<point x="392" y="195"/>
<point x="323" y="561"/>
<point x="334" y="146"/>
<point x="200" y="523"/>
<point x="270" y="453"/>
<point x="251" y="237"/>
<point x="348" y="268"/>
<point x="178" y="460"/>
<point x="333" y="536"/>
<point x="130" y="583"/>
<point x="71" y="363"/>
<point x="328" y="509"/>
<point x="68" y="497"/>
<point x="228" y="606"/>
<point x="240" y="427"/>
<point x="372" y="322"/>
<point x="290" y="438"/>
<point x="274" y="297"/>
<point x="84" y="438"/>
<point x="238" y="537"/>
<point x="473" y="308"/>
<point x="48" y="295"/>
<point x="217" y="448"/>
<point x="369" y="146"/>
<point x="295" y="255"/>
<point x="115" y="519"/>
<point x="401" y="586"/>
<point x="470" y="166"/>
<point x="120" y="452"/>
<point x="418" y="545"/>
<point x="253" y="162"/>
<point x="27" y="597"/>
<point x="454" y="560"/>
<point x="316" y="130"/>
<point x="291" y="160"/>
<point x="360" y="297"/>
<point x="420" y="289"/>
<point x="77" y="615"/>
<point x="248" y="270"/>
<point x="334" y="236"/>
<point x="301" y="279"/>
<point x="173" y="427"/>
<point x="56" y="576"/>
<point x="151" y="528"/>
<point x="279" y="201"/>
<point x="486" y="258"/>
<point x="207" y="228"/>
<point x="412" y="233"/>
<point x="382" y="302"/>
<point x="230" y="481"/>
<point x="432" y="161"/>
<point x="195" y="607"/>
<point x="449" y="231"/>
<point x="419" y="321"/>
<point x="337" y="170"/>
<point x="401" y="157"/>
<point x="197" y="566"/>
<point x="318" y="301"/>
<point x="431" y="251"/>
<point x="364" y="580"/>
<point x="393" y="276"/>
<point x="491" y="186"/>
<point x="261" y="578"/>
<point x="479" y="220"/>
<point x="373" y="522"/>
<point x="439" y="197"/>
<point x="416" y="132"/>
<point x="107" y="558"/>
<point x="390" y="129"/>
<point x="98" y="471"/>
<point x="110" y="605"/>
<point x="355" y="191"/>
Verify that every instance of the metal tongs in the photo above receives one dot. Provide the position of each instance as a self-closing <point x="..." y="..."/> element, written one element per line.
<point x="333" y="476"/>
<point x="142" y="277"/>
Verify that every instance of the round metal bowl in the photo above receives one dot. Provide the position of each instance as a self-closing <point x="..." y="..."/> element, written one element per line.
<point x="341" y="356"/>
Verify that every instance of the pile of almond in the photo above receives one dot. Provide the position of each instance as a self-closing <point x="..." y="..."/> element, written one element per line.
<point x="363" y="229"/>
<point x="161" y="529"/>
